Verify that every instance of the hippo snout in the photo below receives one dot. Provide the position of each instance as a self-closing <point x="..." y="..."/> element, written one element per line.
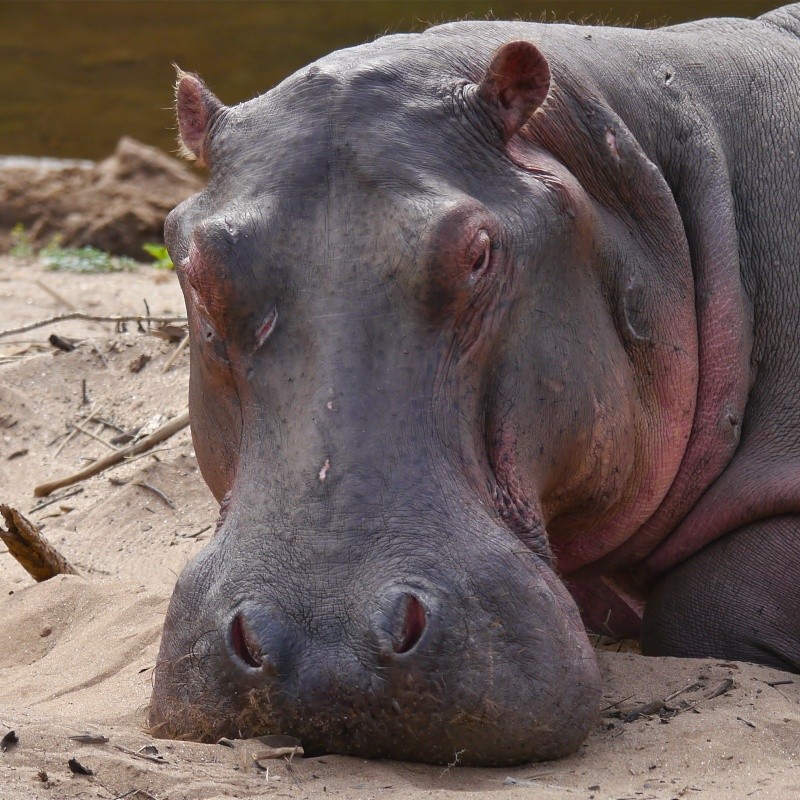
<point x="256" y="641"/>
<point x="406" y="669"/>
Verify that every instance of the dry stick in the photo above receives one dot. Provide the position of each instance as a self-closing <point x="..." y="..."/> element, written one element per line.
<point x="91" y="318"/>
<point x="44" y="503"/>
<point x="156" y="492"/>
<point x="687" y="688"/>
<point x="178" y="350"/>
<point x="723" y="687"/>
<point x="654" y="706"/>
<point x="56" y="296"/>
<point x="94" y="436"/>
<point x="164" y="432"/>
<point x="73" y="433"/>
<point x="145" y="756"/>
<point x="109" y="424"/>
<point x="25" y="542"/>
<point x="131" y="459"/>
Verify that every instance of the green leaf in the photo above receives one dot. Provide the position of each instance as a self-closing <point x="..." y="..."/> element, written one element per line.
<point x="83" y="259"/>
<point x="160" y="255"/>
<point x="21" y="246"/>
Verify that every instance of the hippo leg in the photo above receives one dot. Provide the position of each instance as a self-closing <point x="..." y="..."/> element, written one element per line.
<point x="735" y="599"/>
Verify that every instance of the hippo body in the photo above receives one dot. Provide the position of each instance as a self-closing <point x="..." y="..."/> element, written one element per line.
<point x="477" y="315"/>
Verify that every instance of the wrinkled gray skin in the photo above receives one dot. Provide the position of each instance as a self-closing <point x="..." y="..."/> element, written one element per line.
<point x="452" y="342"/>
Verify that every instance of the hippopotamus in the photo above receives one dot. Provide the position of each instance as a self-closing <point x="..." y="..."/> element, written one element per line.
<point x="494" y="338"/>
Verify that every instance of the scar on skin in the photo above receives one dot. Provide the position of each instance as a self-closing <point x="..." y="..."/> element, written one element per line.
<point x="611" y="140"/>
<point x="266" y="328"/>
<point x="323" y="473"/>
<point x="329" y="405"/>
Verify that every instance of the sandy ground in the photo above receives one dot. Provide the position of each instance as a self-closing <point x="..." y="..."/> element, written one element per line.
<point x="77" y="653"/>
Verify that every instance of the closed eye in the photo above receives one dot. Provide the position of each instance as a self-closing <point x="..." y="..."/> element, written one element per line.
<point x="480" y="254"/>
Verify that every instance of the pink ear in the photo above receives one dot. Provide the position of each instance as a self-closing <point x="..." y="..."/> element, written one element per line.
<point x="516" y="84"/>
<point x="196" y="108"/>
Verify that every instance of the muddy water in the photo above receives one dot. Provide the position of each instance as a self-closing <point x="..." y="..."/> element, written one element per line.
<point x="76" y="76"/>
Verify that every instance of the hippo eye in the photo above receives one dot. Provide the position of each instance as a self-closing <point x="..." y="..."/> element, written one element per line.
<point x="480" y="254"/>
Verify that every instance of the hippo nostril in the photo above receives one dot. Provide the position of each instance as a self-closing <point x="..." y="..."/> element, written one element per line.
<point x="243" y="642"/>
<point x="414" y="622"/>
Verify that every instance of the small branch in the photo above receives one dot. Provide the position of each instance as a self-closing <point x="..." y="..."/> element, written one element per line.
<point x="113" y="426"/>
<point x="616" y="703"/>
<point x="196" y="533"/>
<point x="156" y="759"/>
<point x="91" y="318"/>
<point x="56" y="296"/>
<point x="156" y="492"/>
<point x="36" y="555"/>
<point x="723" y="687"/>
<point x="178" y="350"/>
<point x="44" y="503"/>
<point x="73" y="433"/>
<point x="164" y="432"/>
<point x="687" y="688"/>
<point x="94" y="436"/>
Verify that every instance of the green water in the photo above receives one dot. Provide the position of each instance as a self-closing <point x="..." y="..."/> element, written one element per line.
<point x="75" y="76"/>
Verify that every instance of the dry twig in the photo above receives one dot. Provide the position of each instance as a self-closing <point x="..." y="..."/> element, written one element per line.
<point x="91" y="318"/>
<point x="44" y="503"/>
<point x="156" y="758"/>
<point x="156" y="492"/>
<point x="73" y="433"/>
<point x="164" y="432"/>
<point x="25" y="542"/>
<point x="175" y="353"/>
<point x="56" y="296"/>
<point x="94" y="436"/>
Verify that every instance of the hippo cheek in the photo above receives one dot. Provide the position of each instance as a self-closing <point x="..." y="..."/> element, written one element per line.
<point x="486" y="668"/>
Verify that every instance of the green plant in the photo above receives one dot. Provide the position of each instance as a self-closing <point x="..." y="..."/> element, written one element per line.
<point x="160" y="255"/>
<point x="21" y="246"/>
<point x="67" y="259"/>
<point x="83" y="259"/>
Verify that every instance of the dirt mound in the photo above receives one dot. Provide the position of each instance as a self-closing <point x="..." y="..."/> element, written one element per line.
<point x="116" y="205"/>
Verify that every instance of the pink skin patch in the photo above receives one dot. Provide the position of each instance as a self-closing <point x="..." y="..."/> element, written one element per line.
<point x="746" y="492"/>
<point x="609" y="606"/>
<point x="266" y="328"/>
<point x="196" y="107"/>
<point x="413" y="625"/>
<point x="208" y="285"/>
<point x="244" y="643"/>
<point x="223" y="511"/>
<point x="516" y="505"/>
<point x="611" y="141"/>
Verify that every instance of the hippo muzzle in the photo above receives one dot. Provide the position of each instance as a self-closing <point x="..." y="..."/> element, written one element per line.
<point x="407" y="658"/>
<point x="403" y="379"/>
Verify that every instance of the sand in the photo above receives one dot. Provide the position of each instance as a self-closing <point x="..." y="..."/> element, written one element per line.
<point x="77" y="653"/>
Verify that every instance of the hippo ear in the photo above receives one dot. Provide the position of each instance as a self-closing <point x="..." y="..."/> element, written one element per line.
<point x="196" y="108"/>
<point x="515" y="84"/>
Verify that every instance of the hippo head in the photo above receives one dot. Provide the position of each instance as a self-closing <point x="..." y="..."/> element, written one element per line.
<point x="405" y="364"/>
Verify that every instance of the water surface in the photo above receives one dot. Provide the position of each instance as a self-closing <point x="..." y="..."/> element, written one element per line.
<point x="75" y="76"/>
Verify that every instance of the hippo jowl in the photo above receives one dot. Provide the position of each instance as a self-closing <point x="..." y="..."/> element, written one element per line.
<point x="489" y="323"/>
